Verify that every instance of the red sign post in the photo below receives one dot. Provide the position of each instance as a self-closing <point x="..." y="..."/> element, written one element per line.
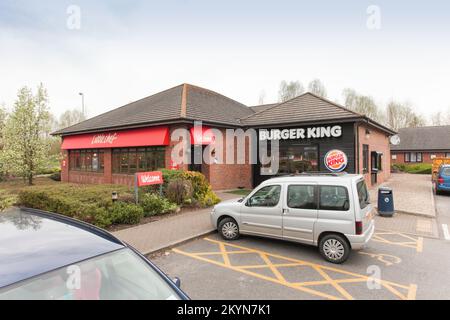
<point x="147" y="179"/>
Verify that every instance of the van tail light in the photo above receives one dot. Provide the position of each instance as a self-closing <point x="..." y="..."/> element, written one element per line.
<point x="441" y="180"/>
<point x="359" y="227"/>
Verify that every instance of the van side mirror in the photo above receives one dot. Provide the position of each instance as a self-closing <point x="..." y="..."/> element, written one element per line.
<point x="177" y="282"/>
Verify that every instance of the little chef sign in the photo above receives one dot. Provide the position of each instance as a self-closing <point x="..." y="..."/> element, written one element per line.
<point x="335" y="160"/>
<point x="149" y="178"/>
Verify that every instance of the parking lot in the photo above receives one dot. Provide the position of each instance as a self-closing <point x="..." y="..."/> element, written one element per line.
<point x="393" y="266"/>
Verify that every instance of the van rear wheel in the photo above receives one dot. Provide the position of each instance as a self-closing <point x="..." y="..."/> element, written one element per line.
<point x="334" y="248"/>
<point x="228" y="229"/>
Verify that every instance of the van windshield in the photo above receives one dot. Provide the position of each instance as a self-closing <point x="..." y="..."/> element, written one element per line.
<point x="363" y="194"/>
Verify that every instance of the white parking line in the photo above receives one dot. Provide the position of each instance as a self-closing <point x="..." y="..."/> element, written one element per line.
<point x="446" y="232"/>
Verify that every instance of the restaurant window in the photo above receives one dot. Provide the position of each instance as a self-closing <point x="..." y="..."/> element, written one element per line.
<point x="376" y="161"/>
<point x="89" y="160"/>
<point x="413" y="157"/>
<point x="365" y="158"/>
<point x="297" y="158"/>
<point x="132" y="160"/>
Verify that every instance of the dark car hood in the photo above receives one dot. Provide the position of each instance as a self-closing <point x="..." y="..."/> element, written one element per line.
<point x="32" y="244"/>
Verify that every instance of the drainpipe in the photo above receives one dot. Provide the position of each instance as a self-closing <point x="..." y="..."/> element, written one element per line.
<point x="356" y="128"/>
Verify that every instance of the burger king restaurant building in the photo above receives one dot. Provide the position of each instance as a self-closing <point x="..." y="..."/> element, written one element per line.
<point x="310" y="132"/>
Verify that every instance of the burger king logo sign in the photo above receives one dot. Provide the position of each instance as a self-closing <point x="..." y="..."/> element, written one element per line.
<point x="336" y="160"/>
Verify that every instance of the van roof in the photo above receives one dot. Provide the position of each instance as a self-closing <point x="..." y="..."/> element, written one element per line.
<point x="315" y="176"/>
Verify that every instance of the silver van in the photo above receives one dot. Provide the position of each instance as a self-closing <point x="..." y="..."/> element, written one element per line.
<point x="331" y="211"/>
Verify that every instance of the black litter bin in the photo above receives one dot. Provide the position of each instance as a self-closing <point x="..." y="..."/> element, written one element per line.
<point x="385" y="202"/>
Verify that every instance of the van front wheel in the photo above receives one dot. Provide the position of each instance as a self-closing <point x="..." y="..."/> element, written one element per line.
<point x="228" y="229"/>
<point x="334" y="248"/>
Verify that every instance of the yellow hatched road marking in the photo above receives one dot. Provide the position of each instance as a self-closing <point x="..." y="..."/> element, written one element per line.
<point x="414" y="243"/>
<point x="291" y="262"/>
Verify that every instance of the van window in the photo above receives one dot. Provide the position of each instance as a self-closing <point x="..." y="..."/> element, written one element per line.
<point x="334" y="198"/>
<point x="265" y="197"/>
<point x="363" y="194"/>
<point x="302" y="197"/>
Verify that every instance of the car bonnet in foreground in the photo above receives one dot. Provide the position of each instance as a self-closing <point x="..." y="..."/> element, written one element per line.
<point x="33" y="243"/>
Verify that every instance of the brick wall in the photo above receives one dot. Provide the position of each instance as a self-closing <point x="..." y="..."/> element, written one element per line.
<point x="377" y="141"/>
<point x="426" y="157"/>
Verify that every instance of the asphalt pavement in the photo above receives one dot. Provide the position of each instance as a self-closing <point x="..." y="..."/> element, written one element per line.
<point x="393" y="266"/>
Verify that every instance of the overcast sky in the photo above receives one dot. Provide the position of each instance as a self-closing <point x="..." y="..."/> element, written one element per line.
<point x="126" y="50"/>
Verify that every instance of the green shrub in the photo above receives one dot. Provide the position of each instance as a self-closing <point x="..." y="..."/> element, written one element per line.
<point x="179" y="190"/>
<point x="209" y="199"/>
<point x="202" y="193"/>
<point x="126" y="213"/>
<point x="154" y="204"/>
<point x="90" y="203"/>
<point x="419" y="168"/>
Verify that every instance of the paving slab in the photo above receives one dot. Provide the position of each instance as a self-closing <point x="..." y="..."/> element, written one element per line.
<point x="413" y="194"/>
<point x="157" y="235"/>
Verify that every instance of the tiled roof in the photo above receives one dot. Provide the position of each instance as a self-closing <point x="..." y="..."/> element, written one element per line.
<point x="304" y="108"/>
<point x="424" y="138"/>
<point x="181" y="102"/>
<point x="189" y="103"/>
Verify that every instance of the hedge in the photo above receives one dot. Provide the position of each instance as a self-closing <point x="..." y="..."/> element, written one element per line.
<point x="90" y="203"/>
<point x="419" y="168"/>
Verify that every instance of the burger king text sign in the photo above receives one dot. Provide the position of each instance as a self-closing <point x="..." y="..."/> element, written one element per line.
<point x="336" y="160"/>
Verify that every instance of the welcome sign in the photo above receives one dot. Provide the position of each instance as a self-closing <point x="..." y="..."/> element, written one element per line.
<point x="149" y="178"/>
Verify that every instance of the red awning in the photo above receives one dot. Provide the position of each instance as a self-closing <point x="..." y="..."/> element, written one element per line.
<point x="154" y="136"/>
<point x="202" y="135"/>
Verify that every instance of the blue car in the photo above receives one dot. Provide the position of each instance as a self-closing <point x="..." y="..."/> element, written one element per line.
<point x="50" y="256"/>
<point x="443" y="179"/>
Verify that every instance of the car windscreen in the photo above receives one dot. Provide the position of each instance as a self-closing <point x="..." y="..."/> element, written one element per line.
<point x="445" y="172"/>
<point x="121" y="274"/>
<point x="363" y="194"/>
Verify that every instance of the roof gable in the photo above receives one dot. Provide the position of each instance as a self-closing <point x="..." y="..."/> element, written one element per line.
<point x="206" y="105"/>
<point x="304" y="108"/>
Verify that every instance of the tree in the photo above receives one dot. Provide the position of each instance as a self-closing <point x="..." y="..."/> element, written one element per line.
<point x="3" y="115"/>
<point x="70" y="117"/>
<point x="441" y="118"/>
<point x="362" y="104"/>
<point x="290" y="90"/>
<point x="436" y="119"/>
<point x="318" y="88"/>
<point x="401" y="115"/>
<point x="26" y="142"/>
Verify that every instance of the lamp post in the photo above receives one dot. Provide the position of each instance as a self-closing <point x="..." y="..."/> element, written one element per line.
<point x="82" y="103"/>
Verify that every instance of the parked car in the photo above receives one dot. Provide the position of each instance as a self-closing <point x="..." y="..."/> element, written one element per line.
<point x="50" y="256"/>
<point x="443" y="179"/>
<point x="331" y="211"/>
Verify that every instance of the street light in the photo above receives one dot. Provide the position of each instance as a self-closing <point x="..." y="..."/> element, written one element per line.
<point x="82" y="102"/>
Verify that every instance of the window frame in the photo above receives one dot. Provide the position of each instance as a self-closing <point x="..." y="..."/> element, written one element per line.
<point x="78" y="160"/>
<point x="417" y="155"/>
<point x="365" y="158"/>
<point x="145" y="159"/>
<point x="247" y="202"/>
<point x="335" y="186"/>
<point x="316" y="196"/>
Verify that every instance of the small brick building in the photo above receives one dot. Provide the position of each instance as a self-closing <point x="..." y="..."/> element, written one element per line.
<point x="421" y="145"/>
<point x="112" y="147"/>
